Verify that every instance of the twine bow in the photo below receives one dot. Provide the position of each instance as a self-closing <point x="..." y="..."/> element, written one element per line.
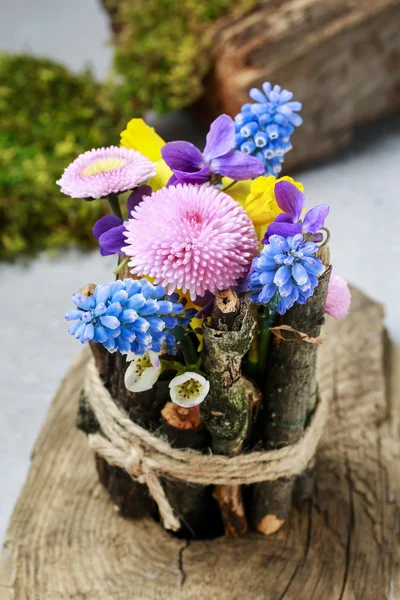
<point x="145" y="456"/>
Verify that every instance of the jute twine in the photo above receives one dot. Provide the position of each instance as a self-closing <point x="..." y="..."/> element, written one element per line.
<point x="145" y="456"/>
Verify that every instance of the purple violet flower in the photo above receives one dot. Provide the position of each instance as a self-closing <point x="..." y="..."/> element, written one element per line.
<point x="109" y="230"/>
<point x="292" y="201"/>
<point x="191" y="166"/>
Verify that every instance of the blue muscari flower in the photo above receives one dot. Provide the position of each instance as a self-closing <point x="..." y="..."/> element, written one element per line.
<point x="287" y="271"/>
<point x="128" y="315"/>
<point x="263" y="129"/>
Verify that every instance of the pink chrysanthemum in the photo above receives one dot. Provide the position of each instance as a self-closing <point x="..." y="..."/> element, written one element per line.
<point x="339" y="297"/>
<point x="104" y="171"/>
<point x="192" y="238"/>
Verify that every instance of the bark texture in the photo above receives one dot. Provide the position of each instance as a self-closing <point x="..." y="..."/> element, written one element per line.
<point x="194" y="504"/>
<point x="225" y="411"/>
<point x="340" y="59"/>
<point x="290" y="391"/>
<point x="65" y="542"/>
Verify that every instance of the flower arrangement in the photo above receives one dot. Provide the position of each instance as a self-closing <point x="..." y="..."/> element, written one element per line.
<point x="222" y="282"/>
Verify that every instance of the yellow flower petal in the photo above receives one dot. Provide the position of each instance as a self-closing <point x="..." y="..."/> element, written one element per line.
<point x="143" y="138"/>
<point x="239" y="191"/>
<point x="160" y="179"/>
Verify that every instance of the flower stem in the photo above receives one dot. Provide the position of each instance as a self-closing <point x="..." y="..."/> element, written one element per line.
<point x="185" y="345"/>
<point x="173" y="365"/>
<point x="121" y="266"/>
<point x="328" y="236"/>
<point x="229" y="186"/>
<point x="114" y="205"/>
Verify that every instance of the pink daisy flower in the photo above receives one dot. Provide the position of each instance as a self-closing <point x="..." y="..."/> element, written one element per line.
<point x="339" y="297"/>
<point x="192" y="238"/>
<point x="104" y="171"/>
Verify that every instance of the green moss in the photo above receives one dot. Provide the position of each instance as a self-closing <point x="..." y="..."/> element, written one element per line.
<point x="48" y="116"/>
<point x="163" y="49"/>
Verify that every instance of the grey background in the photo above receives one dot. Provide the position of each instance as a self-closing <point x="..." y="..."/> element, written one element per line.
<point x="361" y="185"/>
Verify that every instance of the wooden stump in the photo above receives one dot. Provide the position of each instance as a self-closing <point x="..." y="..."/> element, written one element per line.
<point x="340" y="58"/>
<point x="66" y="542"/>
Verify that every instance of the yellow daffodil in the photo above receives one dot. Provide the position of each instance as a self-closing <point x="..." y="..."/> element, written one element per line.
<point x="258" y="199"/>
<point x="143" y="138"/>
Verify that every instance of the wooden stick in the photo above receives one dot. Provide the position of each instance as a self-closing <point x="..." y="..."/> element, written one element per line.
<point x="304" y="484"/>
<point x="290" y="388"/>
<point x="225" y="411"/>
<point x="192" y="503"/>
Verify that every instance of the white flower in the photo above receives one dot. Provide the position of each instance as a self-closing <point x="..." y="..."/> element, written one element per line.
<point x="188" y="389"/>
<point x="143" y="371"/>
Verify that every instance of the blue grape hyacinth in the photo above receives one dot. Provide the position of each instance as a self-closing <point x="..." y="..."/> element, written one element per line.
<point x="263" y="129"/>
<point x="287" y="271"/>
<point x="128" y="315"/>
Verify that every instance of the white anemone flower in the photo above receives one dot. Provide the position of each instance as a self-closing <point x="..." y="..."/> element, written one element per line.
<point x="189" y="389"/>
<point x="143" y="371"/>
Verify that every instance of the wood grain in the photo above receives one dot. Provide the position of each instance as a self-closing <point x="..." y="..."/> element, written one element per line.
<point x="66" y="542"/>
<point x="340" y="58"/>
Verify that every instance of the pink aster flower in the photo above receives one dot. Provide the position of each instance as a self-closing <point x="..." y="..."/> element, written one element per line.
<point x="339" y="297"/>
<point x="192" y="238"/>
<point x="104" y="171"/>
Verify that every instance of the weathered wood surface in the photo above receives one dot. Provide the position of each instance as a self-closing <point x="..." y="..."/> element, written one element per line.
<point x="340" y="58"/>
<point x="66" y="542"/>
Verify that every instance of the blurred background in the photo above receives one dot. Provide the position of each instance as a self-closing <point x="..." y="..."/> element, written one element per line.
<point x="73" y="73"/>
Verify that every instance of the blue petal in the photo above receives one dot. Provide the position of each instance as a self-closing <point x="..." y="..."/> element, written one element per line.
<point x="72" y="329"/>
<point x="286" y="289"/>
<point x="165" y="307"/>
<point x="128" y="316"/>
<point x="140" y="325"/>
<point x="147" y="288"/>
<point x="101" y="293"/>
<point x="127" y="333"/>
<point x="71" y="315"/>
<point x="282" y="276"/>
<point x="159" y="292"/>
<point x="109" y="344"/>
<point x="267" y="293"/>
<point x="100" y="309"/>
<point x="88" y="333"/>
<point x="114" y="309"/>
<point x="313" y="265"/>
<point x="80" y="330"/>
<point x="82" y="301"/>
<point x="266" y="277"/>
<point x="143" y="338"/>
<point x="109" y="321"/>
<point x="132" y="286"/>
<point x="121" y="296"/>
<point x="170" y="322"/>
<point x="299" y="273"/>
<point x="177" y="308"/>
<point x="157" y="324"/>
<point x="151" y="308"/>
<point x="100" y="334"/>
<point x="136" y="302"/>
<point x="123" y="345"/>
<point x="116" y="286"/>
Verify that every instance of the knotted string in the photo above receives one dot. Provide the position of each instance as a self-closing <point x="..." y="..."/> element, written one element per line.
<point x="145" y="456"/>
